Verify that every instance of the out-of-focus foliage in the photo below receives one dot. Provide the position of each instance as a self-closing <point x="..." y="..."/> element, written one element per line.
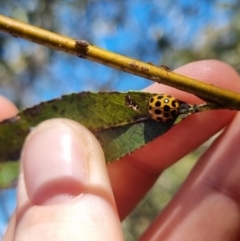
<point x="163" y="32"/>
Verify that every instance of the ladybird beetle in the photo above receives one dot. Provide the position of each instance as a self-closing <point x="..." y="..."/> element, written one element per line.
<point x="163" y="107"/>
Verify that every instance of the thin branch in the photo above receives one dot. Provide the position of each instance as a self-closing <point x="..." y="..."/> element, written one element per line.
<point x="221" y="97"/>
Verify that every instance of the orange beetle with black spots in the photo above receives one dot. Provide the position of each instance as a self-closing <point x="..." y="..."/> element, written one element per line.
<point x="163" y="107"/>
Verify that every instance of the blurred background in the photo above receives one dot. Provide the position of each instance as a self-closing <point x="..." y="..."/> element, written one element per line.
<point x="171" y="33"/>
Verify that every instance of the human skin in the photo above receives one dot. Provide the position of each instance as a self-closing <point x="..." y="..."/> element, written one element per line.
<point x="79" y="198"/>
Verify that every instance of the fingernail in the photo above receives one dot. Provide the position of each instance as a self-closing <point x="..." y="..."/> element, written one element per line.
<point x="54" y="161"/>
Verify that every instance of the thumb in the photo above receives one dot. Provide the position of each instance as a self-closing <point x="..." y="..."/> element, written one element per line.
<point x="64" y="192"/>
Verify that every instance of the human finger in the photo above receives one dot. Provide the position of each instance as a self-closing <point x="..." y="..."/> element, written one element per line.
<point x="64" y="191"/>
<point x="7" y="108"/>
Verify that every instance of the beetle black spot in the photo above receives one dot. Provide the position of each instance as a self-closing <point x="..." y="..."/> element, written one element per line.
<point x="160" y="119"/>
<point x="166" y="115"/>
<point x="158" y="112"/>
<point x="160" y="97"/>
<point x="151" y="100"/>
<point x="166" y="108"/>
<point x="158" y="104"/>
<point x="149" y="107"/>
<point x="174" y="103"/>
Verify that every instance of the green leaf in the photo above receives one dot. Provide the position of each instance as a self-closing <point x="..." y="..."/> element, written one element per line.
<point x="123" y="140"/>
<point x="120" y="121"/>
<point x="8" y="174"/>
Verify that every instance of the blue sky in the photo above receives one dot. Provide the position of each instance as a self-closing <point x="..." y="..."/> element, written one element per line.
<point x="102" y="23"/>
